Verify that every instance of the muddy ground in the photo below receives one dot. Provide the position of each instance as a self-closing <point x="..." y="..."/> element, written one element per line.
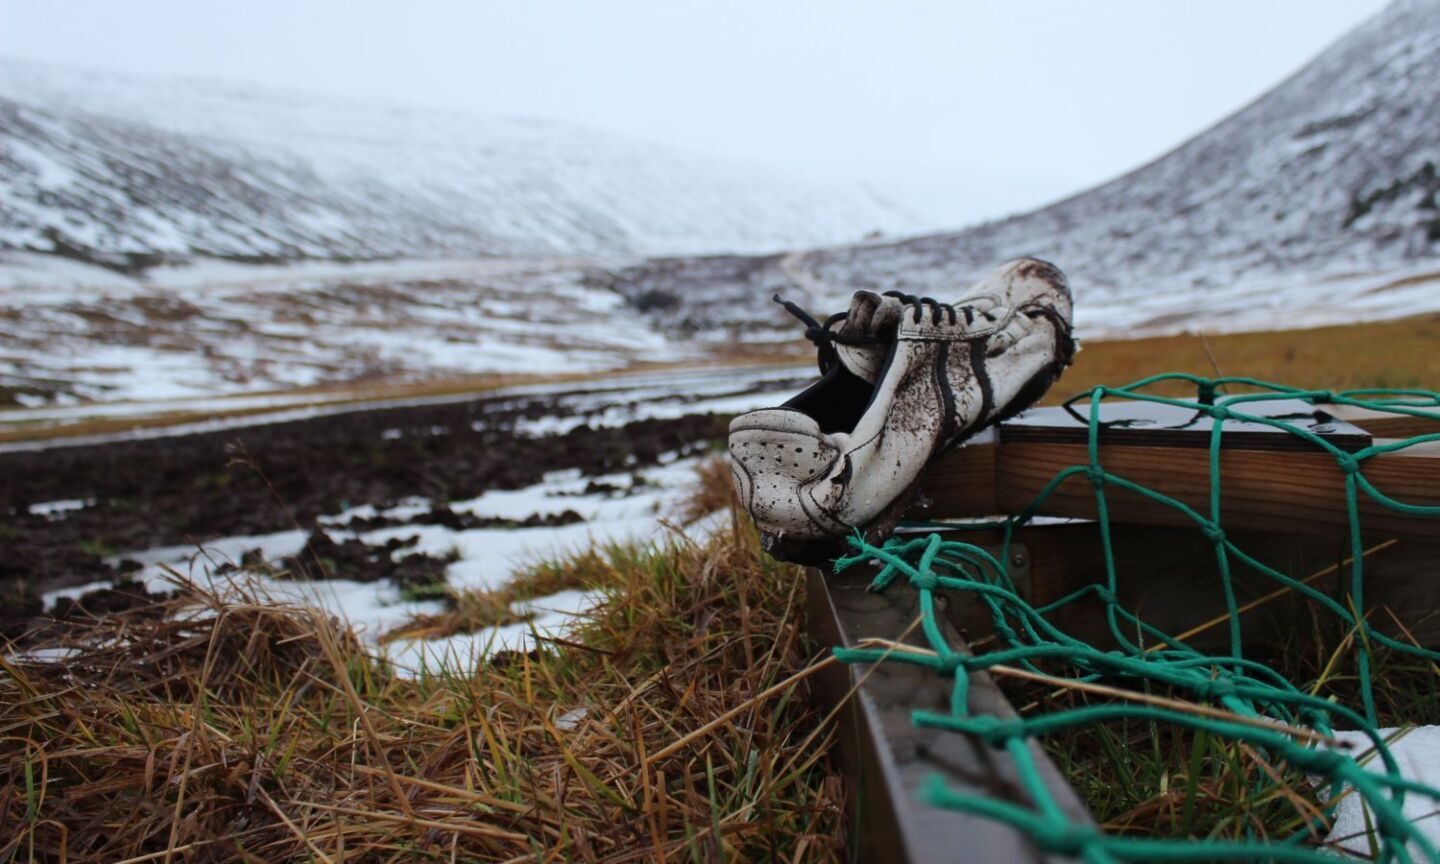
<point x="188" y="489"/>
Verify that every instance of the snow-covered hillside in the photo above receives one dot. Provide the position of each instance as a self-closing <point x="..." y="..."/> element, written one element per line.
<point x="127" y="170"/>
<point x="1316" y="202"/>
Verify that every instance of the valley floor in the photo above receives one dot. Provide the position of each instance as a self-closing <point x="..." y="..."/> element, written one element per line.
<point x="463" y="530"/>
<point x="201" y="484"/>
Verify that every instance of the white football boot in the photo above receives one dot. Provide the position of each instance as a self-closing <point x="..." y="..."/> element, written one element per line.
<point x="903" y="379"/>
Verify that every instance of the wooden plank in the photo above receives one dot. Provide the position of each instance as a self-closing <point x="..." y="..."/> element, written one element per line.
<point x="1299" y="492"/>
<point x="971" y="467"/>
<point x="1384" y="424"/>
<point x="1290" y="492"/>
<point x="1153" y="424"/>
<point x="1168" y="575"/>
<point x="888" y="757"/>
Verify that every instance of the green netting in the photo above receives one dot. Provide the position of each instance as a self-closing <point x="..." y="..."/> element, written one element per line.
<point x="1232" y="682"/>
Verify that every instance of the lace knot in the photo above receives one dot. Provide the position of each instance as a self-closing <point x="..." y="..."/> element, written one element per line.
<point x="819" y="335"/>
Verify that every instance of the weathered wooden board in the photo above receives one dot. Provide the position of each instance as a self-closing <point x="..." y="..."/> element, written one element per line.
<point x="1299" y="492"/>
<point x="1154" y="424"/>
<point x="1285" y="506"/>
<point x="1168" y="576"/>
<point x="888" y="757"/>
<point x="1384" y="424"/>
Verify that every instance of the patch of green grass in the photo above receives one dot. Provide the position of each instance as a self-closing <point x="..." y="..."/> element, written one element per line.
<point x="97" y="547"/>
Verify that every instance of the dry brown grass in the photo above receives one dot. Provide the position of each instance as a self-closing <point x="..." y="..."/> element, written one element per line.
<point x="711" y="492"/>
<point x="211" y="730"/>
<point x="1400" y="353"/>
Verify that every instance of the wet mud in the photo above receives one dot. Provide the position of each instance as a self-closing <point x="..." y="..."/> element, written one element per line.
<point x="187" y="490"/>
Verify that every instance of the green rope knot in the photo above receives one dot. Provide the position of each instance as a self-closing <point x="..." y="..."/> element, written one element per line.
<point x="1096" y="475"/>
<point x="1068" y="840"/>
<point x="1220" y="413"/>
<point x="1205" y="392"/>
<point x="1213" y="532"/>
<point x="1105" y="594"/>
<point x="948" y="665"/>
<point x="925" y="581"/>
<point x="1325" y="762"/>
<point x="1322" y="396"/>
<point x="995" y="732"/>
<point x="1347" y="464"/>
<point x="1213" y="689"/>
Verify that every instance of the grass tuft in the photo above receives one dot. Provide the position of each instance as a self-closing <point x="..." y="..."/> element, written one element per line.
<point x="222" y="728"/>
<point x="1147" y="779"/>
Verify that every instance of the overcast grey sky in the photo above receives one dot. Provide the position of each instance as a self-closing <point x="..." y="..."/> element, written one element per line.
<point x="967" y="108"/>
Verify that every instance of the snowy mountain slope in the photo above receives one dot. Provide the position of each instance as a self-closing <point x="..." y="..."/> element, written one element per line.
<point x="1315" y="202"/>
<point x="123" y="168"/>
<point x="127" y="195"/>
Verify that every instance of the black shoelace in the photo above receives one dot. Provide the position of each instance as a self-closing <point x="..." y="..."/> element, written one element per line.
<point x="825" y="339"/>
<point x="937" y="309"/>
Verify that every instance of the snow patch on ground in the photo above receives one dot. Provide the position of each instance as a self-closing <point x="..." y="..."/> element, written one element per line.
<point x="58" y="508"/>
<point x="489" y="555"/>
<point x="463" y="651"/>
<point x="1417" y="751"/>
<point x="629" y="510"/>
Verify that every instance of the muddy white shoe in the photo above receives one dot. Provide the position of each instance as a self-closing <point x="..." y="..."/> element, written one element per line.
<point x="903" y="379"/>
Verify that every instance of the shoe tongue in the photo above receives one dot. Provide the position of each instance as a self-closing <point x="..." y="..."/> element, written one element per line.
<point x="870" y="316"/>
<point x="859" y="361"/>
